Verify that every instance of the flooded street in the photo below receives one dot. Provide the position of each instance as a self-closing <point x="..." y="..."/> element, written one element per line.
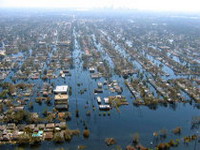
<point x="141" y="89"/>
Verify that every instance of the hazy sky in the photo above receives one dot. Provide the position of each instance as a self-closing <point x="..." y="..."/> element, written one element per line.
<point x="172" y="5"/>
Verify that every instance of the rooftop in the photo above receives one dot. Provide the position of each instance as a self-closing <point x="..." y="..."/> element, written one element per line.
<point x="61" y="97"/>
<point x="61" y="89"/>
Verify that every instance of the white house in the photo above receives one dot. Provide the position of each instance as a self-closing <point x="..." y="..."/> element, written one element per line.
<point x="61" y="89"/>
<point x="106" y="100"/>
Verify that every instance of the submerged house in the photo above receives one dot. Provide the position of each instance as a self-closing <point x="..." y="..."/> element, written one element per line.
<point x="92" y="69"/>
<point x="61" y="97"/>
<point x="61" y="89"/>
<point x="99" y="100"/>
<point x="38" y="134"/>
<point x="48" y="135"/>
<point x="61" y="102"/>
<point x="11" y="126"/>
<point x="104" y="107"/>
<point x="61" y="107"/>
<point x="98" y="90"/>
<point x="41" y="126"/>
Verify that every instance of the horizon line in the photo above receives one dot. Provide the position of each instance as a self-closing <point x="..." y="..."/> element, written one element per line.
<point x="98" y="8"/>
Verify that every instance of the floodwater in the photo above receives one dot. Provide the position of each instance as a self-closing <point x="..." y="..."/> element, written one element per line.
<point x="121" y="124"/>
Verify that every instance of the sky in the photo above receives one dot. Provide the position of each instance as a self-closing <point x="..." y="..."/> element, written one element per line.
<point x="157" y="5"/>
